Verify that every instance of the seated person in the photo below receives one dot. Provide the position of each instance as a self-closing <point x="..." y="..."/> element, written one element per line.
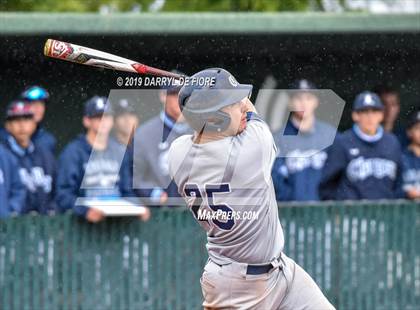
<point x="151" y="146"/>
<point x="38" y="97"/>
<point x="37" y="167"/>
<point x="365" y="161"/>
<point x="92" y="165"/>
<point x="297" y="169"/>
<point x="12" y="191"/>
<point x="411" y="159"/>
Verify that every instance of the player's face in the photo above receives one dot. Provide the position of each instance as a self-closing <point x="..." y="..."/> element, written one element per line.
<point x="303" y="104"/>
<point x="21" y="129"/>
<point x="38" y="108"/>
<point x="391" y="103"/>
<point x="414" y="134"/>
<point x="237" y="114"/>
<point x="125" y="123"/>
<point x="368" y="120"/>
<point x="101" y="125"/>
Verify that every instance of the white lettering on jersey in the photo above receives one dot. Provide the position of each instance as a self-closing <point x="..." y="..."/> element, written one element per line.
<point x="360" y="168"/>
<point x="1" y="177"/>
<point x="101" y="172"/>
<point x="298" y="160"/>
<point x="34" y="178"/>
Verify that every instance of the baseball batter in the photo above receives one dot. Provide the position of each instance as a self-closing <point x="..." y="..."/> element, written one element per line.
<point x="223" y="172"/>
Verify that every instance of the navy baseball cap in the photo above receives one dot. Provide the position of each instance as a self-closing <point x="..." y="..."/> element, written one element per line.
<point x="208" y="97"/>
<point x="123" y="105"/>
<point x="413" y="119"/>
<point x="35" y="93"/>
<point x="17" y="109"/>
<point x="97" y="106"/>
<point x="172" y="86"/>
<point x="367" y="100"/>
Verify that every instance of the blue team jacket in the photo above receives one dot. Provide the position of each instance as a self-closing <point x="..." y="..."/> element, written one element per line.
<point x="410" y="171"/>
<point x="358" y="169"/>
<point x="295" y="175"/>
<point x="37" y="171"/>
<point x="43" y="138"/>
<point x="108" y="174"/>
<point x="12" y="190"/>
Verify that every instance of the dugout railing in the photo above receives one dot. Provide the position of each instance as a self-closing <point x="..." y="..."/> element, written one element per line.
<point x="364" y="255"/>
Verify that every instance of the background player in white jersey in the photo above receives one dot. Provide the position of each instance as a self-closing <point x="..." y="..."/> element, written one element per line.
<point x="223" y="172"/>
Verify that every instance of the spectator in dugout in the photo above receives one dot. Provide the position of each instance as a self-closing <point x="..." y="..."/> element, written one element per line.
<point x="390" y="98"/>
<point x="93" y="165"/>
<point x="297" y="169"/>
<point x="126" y="122"/>
<point x="38" y="97"/>
<point x="151" y="145"/>
<point x="12" y="190"/>
<point x="36" y="165"/>
<point x="365" y="161"/>
<point x="411" y="159"/>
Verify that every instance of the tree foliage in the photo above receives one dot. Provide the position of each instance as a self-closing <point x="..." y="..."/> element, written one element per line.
<point x="148" y="5"/>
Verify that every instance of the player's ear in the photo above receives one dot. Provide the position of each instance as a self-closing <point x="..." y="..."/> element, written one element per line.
<point x="382" y="116"/>
<point x="162" y="96"/>
<point x="316" y="103"/>
<point x="409" y="133"/>
<point x="7" y="125"/>
<point x="86" y="122"/>
<point x="355" y="116"/>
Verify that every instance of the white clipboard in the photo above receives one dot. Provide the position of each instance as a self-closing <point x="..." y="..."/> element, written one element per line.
<point x="115" y="207"/>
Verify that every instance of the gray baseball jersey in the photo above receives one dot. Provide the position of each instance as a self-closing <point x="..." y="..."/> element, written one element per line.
<point x="227" y="185"/>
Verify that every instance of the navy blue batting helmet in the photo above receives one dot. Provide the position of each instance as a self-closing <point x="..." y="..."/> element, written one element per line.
<point x="204" y="95"/>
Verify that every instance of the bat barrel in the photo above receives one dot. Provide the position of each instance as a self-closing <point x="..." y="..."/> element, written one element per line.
<point x="91" y="57"/>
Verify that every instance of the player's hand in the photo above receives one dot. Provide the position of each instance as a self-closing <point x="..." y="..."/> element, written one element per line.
<point x="163" y="198"/>
<point x="146" y="215"/>
<point x="94" y="215"/>
<point x="413" y="193"/>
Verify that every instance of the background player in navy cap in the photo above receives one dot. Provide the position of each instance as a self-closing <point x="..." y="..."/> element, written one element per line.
<point x="297" y="169"/>
<point x="37" y="167"/>
<point x="365" y="161"/>
<point x="126" y="121"/>
<point x="411" y="159"/>
<point x="37" y="97"/>
<point x="151" y="145"/>
<point x="390" y="98"/>
<point x="92" y="165"/>
<point x="12" y="190"/>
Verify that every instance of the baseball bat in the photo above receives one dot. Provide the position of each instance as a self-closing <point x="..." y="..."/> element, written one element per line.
<point x="91" y="57"/>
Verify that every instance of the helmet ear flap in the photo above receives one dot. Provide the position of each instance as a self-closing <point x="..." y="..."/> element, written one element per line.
<point x="217" y="121"/>
<point x="222" y="121"/>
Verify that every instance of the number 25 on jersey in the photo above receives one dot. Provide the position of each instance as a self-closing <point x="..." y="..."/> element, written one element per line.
<point x="192" y="190"/>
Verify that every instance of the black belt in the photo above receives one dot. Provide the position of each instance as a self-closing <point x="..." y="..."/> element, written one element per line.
<point x="258" y="269"/>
